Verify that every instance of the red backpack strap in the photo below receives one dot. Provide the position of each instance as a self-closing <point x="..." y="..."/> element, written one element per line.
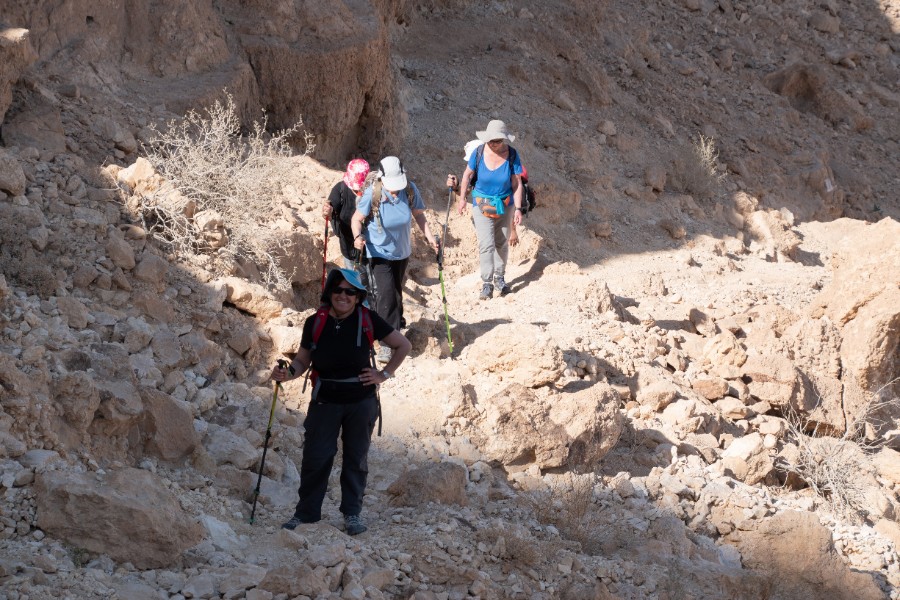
<point x="319" y="325"/>
<point x="367" y="325"/>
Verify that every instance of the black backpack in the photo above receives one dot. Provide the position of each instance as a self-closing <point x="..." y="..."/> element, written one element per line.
<point x="528" y="199"/>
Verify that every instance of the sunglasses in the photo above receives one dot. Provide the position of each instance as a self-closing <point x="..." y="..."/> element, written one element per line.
<point x="493" y="142"/>
<point x="346" y="291"/>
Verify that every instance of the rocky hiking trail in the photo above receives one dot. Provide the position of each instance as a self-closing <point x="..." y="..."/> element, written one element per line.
<point x="624" y="425"/>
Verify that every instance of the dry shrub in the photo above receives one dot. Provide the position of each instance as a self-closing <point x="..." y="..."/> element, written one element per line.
<point x="215" y="167"/>
<point x="511" y="545"/>
<point x="568" y="504"/>
<point x="695" y="168"/>
<point x="835" y="468"/>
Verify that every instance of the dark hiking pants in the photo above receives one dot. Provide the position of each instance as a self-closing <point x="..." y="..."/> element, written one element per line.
<point x="324" y="421"/>
<point x="389" y="276"/>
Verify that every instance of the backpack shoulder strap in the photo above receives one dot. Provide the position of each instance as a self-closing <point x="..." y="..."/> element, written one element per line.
<point x="366" y="325"/>
<point x="319" y="325"/>
<point x="479" y="155"/>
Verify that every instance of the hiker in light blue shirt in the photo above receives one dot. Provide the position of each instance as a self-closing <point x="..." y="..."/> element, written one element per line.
<point x="382" y="224"/>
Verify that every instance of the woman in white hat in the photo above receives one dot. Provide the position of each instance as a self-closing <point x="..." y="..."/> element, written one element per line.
<point x="382" y="224"/>
<point x="496" y="202"/>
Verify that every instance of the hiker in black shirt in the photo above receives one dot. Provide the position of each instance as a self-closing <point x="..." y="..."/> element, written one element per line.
<point x="341" y="205"/>
<point x="343" y="400"/>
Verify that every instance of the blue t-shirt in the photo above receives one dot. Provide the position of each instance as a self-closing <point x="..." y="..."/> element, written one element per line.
<point x="496" y="182"/>
<point x="388" y="235"/>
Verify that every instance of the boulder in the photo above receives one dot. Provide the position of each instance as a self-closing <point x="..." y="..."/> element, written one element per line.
<point x="515" y="352"/>
<point x="747" y="459"/>
<point x="517" y="428"/>
<point x="252" y="298"/>
<point x="772" y="235"/>
<point x="140" y="171"/>
<point x="167" y="426"/>
<point x="294" y="580"/>
<point x="658" y="395"/>
<point x="12" y="177"/>
<point x="441" y="483"/>
<point x="774" y="379"/>
<point x="73" y="311"/>
<point x="796" y="551"/>
<point x="225" y="447"/>
<point x="711" y="388"/>
<point x="16" y="54"/>
<point x="128" y="514"/>
<point x="152" y="269"/>
<point x="887" y="465"/>
<point x="39" y="126"/>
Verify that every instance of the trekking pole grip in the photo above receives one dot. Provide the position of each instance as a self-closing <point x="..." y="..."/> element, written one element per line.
<point x="283" y="364"/>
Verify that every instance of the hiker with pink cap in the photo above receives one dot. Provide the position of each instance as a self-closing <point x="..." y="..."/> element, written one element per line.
<point x="341" y="205"/>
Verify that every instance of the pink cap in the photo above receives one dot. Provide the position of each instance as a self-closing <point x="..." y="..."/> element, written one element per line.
<point x="355" y="176"/>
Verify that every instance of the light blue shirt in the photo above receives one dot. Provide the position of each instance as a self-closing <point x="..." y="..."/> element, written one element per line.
<point x="388" y="235"/>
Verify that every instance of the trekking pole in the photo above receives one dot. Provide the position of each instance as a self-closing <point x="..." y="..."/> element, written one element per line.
<point x="325" y="254"/>
<point x="440" y="262"/>
<point x="262" y="463"/>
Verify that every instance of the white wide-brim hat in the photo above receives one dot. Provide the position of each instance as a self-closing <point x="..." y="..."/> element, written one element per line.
<point x="393" y="175"/>
<point x="496" y="130"/>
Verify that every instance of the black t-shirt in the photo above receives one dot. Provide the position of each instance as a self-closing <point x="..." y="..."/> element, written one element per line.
<point x="343" y="201"/>
<point x="338" y="357"/>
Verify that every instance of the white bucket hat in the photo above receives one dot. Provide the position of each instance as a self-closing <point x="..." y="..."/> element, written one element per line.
<point x="392" y="174"/>
<point x="496" y="130"/>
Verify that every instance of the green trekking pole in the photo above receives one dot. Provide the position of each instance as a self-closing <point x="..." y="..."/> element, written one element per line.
<point x="440" y="262"/>
<point x="262" y="463"/>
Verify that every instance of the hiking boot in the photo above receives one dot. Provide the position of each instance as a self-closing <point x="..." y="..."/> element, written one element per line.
<point x="354" y="524"/>
<point x="292" y="524"/>
<point x="487" y="292"/>
<point x="502" y="286"/>
<point x="384" y="355"/>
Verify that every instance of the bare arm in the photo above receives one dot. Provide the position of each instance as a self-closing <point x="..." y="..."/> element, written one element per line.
<point x="422" y="222"/>
<point x="463" y="187"/>
<point x="300" y="364"/>
<point x="400" y="346"/>
<point x="517" y="198"/>
<point x="356" y="225"/>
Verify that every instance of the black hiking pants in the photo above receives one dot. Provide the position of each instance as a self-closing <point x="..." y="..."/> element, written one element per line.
<point x="324" y="421"/>
<point x="389" y="276"/>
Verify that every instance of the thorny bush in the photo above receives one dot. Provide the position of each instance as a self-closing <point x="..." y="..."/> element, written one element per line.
<point x="213" y="167"/>
<point x="835" y="468"/>
<point x="696" y="169"/>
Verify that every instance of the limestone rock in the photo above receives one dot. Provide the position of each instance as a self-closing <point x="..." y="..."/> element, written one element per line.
<point x="286" y="339"/>
<point x="152" y="269"/>
<point x="887" y="464"/>
<point x="798" y="553"/>
<point x="773" y="234"/>
<point x="442" y="483"/>
<point x="747" y="459"/>
<point x="252" y="298"/>
<point x="120" y="253"/>
<point x="12" y="178"/>
<point x="225" y="447"/>
<point x="774" y="379"/>
<point x="75" y="313"/>
<point x="711" y="388"/>
<point x="516" y="428"/>
<point x="107" y="513"/>
<point x="515" y="352"/>
<point x="294" y="580"/>
<point x="140" y="171"/>
<point x="658" y="395"/>
<point x="167" y="426"/>
<point x="16" y="54"/>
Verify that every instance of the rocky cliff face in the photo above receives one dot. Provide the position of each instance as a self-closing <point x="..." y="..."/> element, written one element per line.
<point x="327" y="63"/>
